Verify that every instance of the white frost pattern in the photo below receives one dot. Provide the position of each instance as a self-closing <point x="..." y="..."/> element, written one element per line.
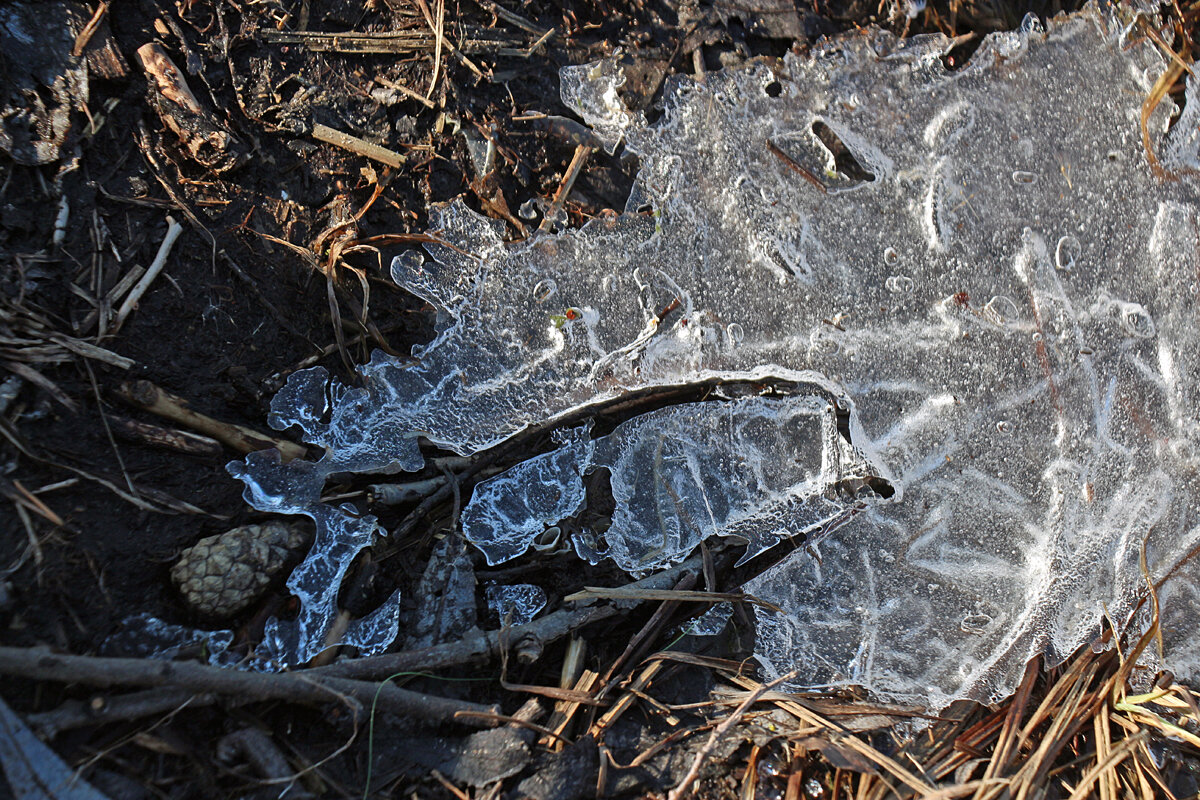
<point x="1002" y="297"/>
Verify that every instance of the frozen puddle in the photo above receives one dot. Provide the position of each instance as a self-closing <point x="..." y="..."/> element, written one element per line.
<point x="976" y="287"/>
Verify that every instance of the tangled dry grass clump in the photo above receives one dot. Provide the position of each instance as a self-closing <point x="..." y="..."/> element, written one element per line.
<point x="1078" y="730"/>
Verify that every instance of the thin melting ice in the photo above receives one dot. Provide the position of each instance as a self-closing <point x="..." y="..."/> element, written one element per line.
<point x="978" y="270"/>
<point x="679" y="475"/>
<point x="515" y="604"/>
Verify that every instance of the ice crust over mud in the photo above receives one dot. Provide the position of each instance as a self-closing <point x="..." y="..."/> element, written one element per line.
<point x="998" y="290"/>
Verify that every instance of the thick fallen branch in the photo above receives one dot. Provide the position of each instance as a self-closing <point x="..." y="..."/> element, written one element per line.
<point x="41" y="664"/>
<point x="74" y="714"/>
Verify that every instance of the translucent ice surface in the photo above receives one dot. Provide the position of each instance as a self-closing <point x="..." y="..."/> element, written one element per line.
<point x="977" y="286"/>
<point x="758" y="468"/>
<point x="517" y="604"/>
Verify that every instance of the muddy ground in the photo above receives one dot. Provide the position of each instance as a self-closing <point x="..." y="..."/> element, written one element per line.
<point x="95" y="510"/>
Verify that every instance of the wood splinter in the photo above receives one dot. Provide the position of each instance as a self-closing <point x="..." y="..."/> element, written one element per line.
<point x="356" y="145"/>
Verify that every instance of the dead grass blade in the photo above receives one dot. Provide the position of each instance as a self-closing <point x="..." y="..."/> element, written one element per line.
<point x="1006" y="743"/>
<point x="1165" y="81"/>
<point x="1107" y="766"/>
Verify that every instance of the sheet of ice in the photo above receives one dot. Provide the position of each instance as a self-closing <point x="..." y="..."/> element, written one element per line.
<point x="1002" y="294"/>
<point x="148" y="636"/>
<point x="759" y="468"/>
<point x="711" y="622"/>
<point x="515" y="604"/>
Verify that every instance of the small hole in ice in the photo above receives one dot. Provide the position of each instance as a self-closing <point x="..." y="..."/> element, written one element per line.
<point x="1020" y="176"/>
<point x="975" y="623"/>
<point x="773" y="89"/>
<point x="844" y="161"/>
<point x="958" y="55"/>
<point x="1114" y="155"/>
<point x="528" y="210"/>
<point x="1066" y="253"/>
<point x="1136" y="320"/>
<point x="548" y="539"/>
<point x="544" y="290"/>
<point x="899" y="283"/>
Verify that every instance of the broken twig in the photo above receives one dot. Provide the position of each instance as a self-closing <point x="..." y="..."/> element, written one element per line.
<point x="360" y="146"/>
<point x="483" y="645"/>
<point x="630" y="593"/>
<point x="160" y="260"/>
<point x="564" y="189"/>
<point x="147" y="396"/>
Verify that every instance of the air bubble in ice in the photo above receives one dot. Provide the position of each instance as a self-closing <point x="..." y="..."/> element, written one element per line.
<point x="1001" y="310"/>
<point x="544" y="289"/>
<point x="1021" y="176"/>
<point x="1066" y="253"/>
<point x="1136" y="320"/>
<point x="890" y="256"/>
<point x="735" y="332"/>
<point x="975" y="623"/>
<point x="528" y="209"/>
<point x="898" y="283"/>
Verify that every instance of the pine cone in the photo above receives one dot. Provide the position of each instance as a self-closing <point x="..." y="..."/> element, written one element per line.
<point x="223" y="574"/>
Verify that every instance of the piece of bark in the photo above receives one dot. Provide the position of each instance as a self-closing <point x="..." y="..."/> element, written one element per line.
<point x="191" y="444"/>
<point x="203" y="136"/>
